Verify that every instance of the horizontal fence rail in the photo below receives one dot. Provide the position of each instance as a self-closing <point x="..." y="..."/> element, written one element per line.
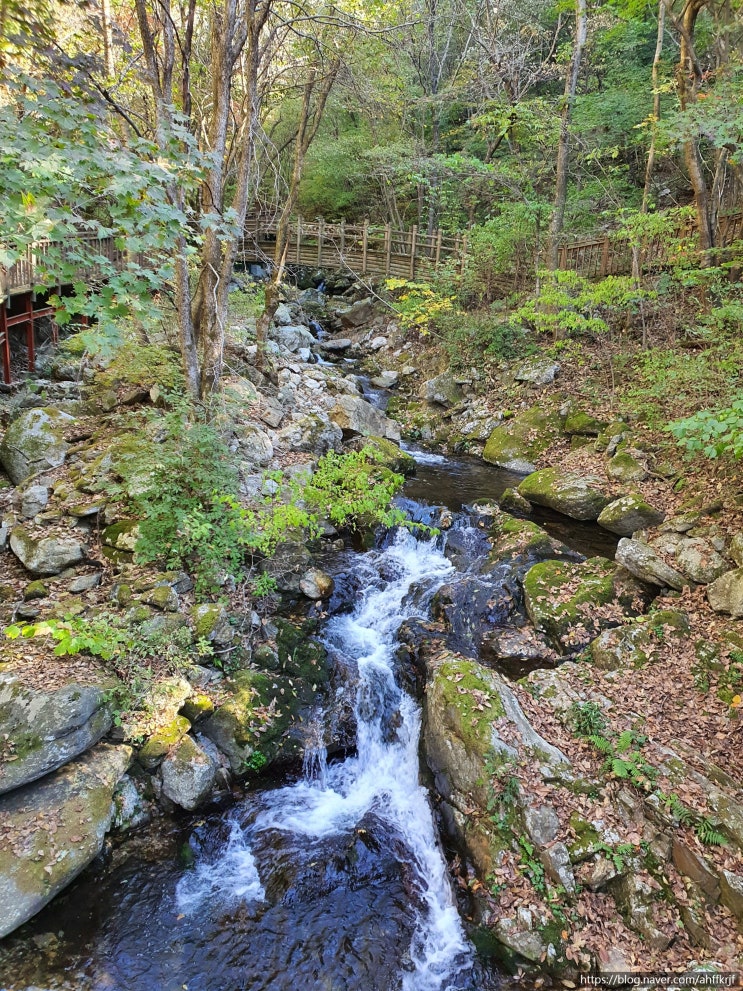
<point x="362" y="249"/>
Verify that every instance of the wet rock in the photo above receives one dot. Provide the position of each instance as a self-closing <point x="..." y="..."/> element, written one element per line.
<point x="316" y="584"/>
<point x="43" y="730"/>
<point x="582" y="497"/>
<point x="646" y="564"/>
<point x="189" y="773"/>
<point x="726" y="593"/>
<point x="47" y="555"/>
<point x="513" y="502"/>
<point x="628" y="514"/>
<point x="255" y="444"/>
<point x="387" y="453"/>
<point x="517" y="443"/>
<point x="537" y="371"/>
<point x="571" y="603"/>
<point x="443" y="390"/>
<point x="34" y="500"/>
<point x="71" y="810"/>
<point x="34" y="442"/>
<point x="624" y="467"/>
<point x="131" y="809"/>
<point x="640" y="642"/>
<point x="525" y="943"/>
<point x="356" y="416"/>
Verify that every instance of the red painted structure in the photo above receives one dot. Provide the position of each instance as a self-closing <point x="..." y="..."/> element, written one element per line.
<point x="24" y="316"/>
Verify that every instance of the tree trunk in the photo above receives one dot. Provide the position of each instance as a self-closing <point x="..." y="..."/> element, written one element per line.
<point x="563" y="148"/>
<point x="106" y="29"/>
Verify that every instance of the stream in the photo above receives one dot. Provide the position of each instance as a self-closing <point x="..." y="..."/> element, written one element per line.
<point x="336" y="881"/>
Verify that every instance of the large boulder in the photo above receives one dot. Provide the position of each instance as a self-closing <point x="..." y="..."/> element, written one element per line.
<point x="387" y="453"/>
<point x="53" y="829"/>
<point x="640" y="642"/>
<point x="292" y="337"/>
<point x="355" y="415"/>
<point x="582" y="497"/>
<point x="537" y="371"/>
<point x="726" y="593"/>
<point x="46" y="555"/>
<point x="629" y="513"/>
<point x="314" y="434"/>
<point x="43" y="730"/>
<point x="255" y="443"/>
<point x="34" y="442"/>
<point x="189" y="773"/>
<point x="645" y="563"/>
<point x="518" y="442"/>
<point x="570" y="603"/>
<point x="357" y="314"/>
<point x="699" y="560"/>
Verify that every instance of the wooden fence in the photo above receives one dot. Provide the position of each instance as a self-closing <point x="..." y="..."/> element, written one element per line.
<point x="29" y="272"/>
<point x="360" y="248"/>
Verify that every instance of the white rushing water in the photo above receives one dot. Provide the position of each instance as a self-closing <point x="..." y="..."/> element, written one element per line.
<point x="383" y="777"/>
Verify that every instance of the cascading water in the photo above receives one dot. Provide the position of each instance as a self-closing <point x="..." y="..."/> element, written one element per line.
<point x="382" y="779"/>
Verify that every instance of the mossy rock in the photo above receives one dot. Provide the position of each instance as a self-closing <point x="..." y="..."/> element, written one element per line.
<point x="611" y="435"/>
<point x="392" y="456"/>
<point x="571" y="603"/>
<point x="35" y="590"/>
<point x="516" y="443"/>
<point x="624" y="467"/>
<point x="471" y="704"/>
<point x="122" y="536"/>
<point x="255" y="722"/>
<point x="34" y="442"/>
<point x="211" y="623"/>
<point x="582" y="497"/>
<point x="511" y="501"/>
<point x="583" y="425"/>
<point x="512" y="537"/>
<point x="626" y="515"/>
<point x="640" y="642"/>
<point x="196" y="708"/>
<point x="300" y="654"/>
<point x="162" y="742"/>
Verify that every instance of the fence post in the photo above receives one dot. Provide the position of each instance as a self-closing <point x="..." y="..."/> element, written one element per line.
<point x="343" y="238"/>
<point x="413" y="242"/>
<point x="5" y="340"/>
<point x="387" y="248"/>
<point x="320" y="231"/>
<point x="438" y="249"/>
<point x="364" y="247"/>
<point x="30" y="343"/>
<point x="299" y="239"/>
<point x="605" y="258"/>
<point x="464" y="254"/>
<point x="563" y="260"/>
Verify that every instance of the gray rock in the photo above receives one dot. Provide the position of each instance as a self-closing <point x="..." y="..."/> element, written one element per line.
<point x="726" y="593"/>
<point x="122" y="536"/>
<point x="386" y="380"/>
<point x="85" y="583"/>
<point x="527" y="943"/>
<point x="131" y="809"/>
<point x="212" y="623"/>
<point x="283" y="315"/>
<point x="443" y="390"/>
<point x="556" y="860"/>
<point x="699" y="560"/>
<point x="635" y="900"/>
<point x="537" y="371"/>
<point x="34" y="500"/>
<point x="189" y="773"/>
<point x="646" y="564"/>
<point x="46" y="556"/>
<point x="255" y="444"/>
<point x="292" y="337"/>
<point x="731" y="894"/>
<point x="54" y="829"/>
<point x="316" y="584"/>
<point x="516" y="443"/>
<point x="335" y="344"/>
<point x="287" y="566"/>
<point x="34" y="442"/>
<point x="541" y="824"/>
<point x="315" y="434"/>
<point x="628" y="514"/>
<point x="582" y="497"/>
<point x="269" y="411"/>
<point x="355" y="415"/>
<point x="626" y="468"/>
<point x="45" y="729"/>
<point x="358" y="314"/>
<point x="736" y="549"/>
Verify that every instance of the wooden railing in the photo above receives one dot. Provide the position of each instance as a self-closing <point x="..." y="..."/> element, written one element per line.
<point x="364" y="249"/>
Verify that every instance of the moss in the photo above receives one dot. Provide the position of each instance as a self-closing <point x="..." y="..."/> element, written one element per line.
<point x="300" y="655"/>
<point x="35" y="590"/>
<point x="511" y="536"/>
<point x="522" y="439"/>
<point x="161" y="742"/>
<point x="587" y="839"/>
<point x="582" y="424"/>
<point x="205" y="618"/>
<point x="123" y="535"/>
<point x="391" y="456"/>
<point x="464" y="688"/>
<point x="197" y="707"/>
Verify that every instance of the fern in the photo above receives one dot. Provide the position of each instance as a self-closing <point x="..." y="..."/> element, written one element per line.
<point x="602" y="744"/>
<point x="708" y="832"/>
<point x="678" y="810"/>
